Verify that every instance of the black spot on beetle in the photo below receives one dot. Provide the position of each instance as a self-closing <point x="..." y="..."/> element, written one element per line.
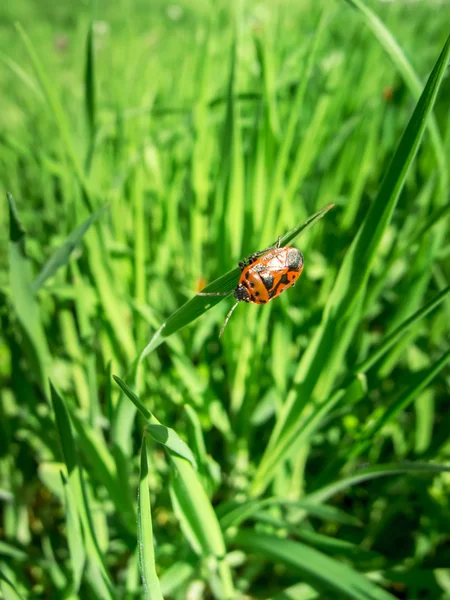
<point x="267" y="280"/>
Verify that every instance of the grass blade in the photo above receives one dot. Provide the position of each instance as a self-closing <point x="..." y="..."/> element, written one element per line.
<point x="396" y="54"/>
<point x="89" y="99"/>
<point x="74" y="535"/>
<point x="58" y="114"/>
<point x="61" y="255"/>
<point x="134" y="399"/>
<point x="326" y="492"/>
<point x="145" y="533"/>
<point x="236" y="515"/>
<point x="200" y="522"/>
<point x="318" y="569"/>
<point x="96" y="567"/>
<point x="159" y="432"/>
<point x="376" y="424"/>
<point x="8" y="589"/>
<point x="24" y="303"/>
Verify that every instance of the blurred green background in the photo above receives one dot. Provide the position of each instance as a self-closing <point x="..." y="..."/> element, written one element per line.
<point x="195" y="133"/>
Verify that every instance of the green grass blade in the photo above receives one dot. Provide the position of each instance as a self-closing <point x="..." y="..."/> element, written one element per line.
<point x="330" y="490"/>
<point x="400" y="331"/>
<point x="24" y="303"/>
<point x="318" y="569"/>
<point x="8" y="589"/>
<point x="89" y="95"/>
<point x="159" y="432"/>
<point x="134" y="399"/>
<point x="176" y="578"/>
<point x="295" y="112"/>
<point x="61" y="255"/>
<point x="375" y="425"/>
<point x="145" y="533"/>
<point x="74" y="535"/>
<point x="104" y="469"/>
<point x="396" y="54"/>
<point x="226" y="283"/>
<point x="319" y="366"/>
<point x="197" y="514"/>
<point x="236" y="515"/>
<point x="64" y="427"/>
<point x="57" y="111"/>
<point x="97" y="572"/>
<point x="23" y="76"/>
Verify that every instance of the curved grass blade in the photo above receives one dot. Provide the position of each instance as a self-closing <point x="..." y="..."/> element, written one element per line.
<point x="319" y="366"/>
<point x="245" y="510"/>
<point x="134" y="399"/>
<point x="59" y="115"/>
<point x="61" y="255"/>
<point x="74" y="535"/>
<point x="326" y="492"/>
<point x="28" y="81"/>
<point x="396" y="54"/>
<point x="226" y="283"/>
<point x="145" y="533"/>
<point x="396" y="407"/>
<point x="89" y="95"/>
<point x="319" y="570"/>
<point x="199" y="521"/>
<point x="159" y="432"/>
<point x="100" y="578"/>
<point x="24" y="303"/>
<point x="8" y="589"/>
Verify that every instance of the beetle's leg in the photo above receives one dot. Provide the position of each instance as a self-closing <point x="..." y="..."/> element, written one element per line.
<point x="214" y="293"/>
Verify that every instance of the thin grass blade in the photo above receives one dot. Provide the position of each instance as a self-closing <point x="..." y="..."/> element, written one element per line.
<point x="159" y="432"/>
<point x="74" y="535"/>
<point x="61" y="255"/>
<point x="375" y="425"/>
<point x="194" y="509"/>
<point x="145" y="533"/>
<point x="330" y="490"/>
<point x="398" y="57"/>
<point x="318" y="569"/>
<point x="24" y="303"/>
<point x="8" y="589"/>
<point x="95" y="565"/>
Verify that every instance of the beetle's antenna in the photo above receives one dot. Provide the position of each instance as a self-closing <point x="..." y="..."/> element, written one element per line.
<point x="228" y="317"/>
<point x="214" y="293"/>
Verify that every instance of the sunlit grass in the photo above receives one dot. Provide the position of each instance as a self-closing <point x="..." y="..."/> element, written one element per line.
<point x="146" y="150"/>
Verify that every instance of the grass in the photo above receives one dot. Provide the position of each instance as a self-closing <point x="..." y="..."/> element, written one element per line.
<point x="144" y="150"/>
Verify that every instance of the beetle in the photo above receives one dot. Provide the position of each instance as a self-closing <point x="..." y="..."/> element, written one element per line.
<point x="264" y="276"/>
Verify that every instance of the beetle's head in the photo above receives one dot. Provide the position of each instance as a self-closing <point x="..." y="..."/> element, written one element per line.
<point x="241" y="293"/>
